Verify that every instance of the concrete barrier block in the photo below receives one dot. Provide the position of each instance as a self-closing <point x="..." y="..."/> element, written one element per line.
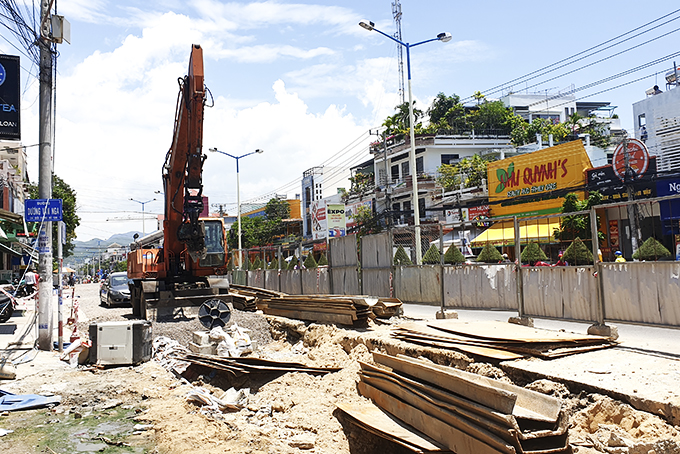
<point x="202" y="349"/>
<point x="610" y="331"/>
<point x="446" y="315"/>
<point x="201" y="338"/>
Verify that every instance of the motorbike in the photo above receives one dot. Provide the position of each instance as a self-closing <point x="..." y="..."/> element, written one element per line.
<point x="7" y="305"/>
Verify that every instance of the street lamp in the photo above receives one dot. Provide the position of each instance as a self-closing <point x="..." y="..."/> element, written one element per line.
<point x="238" y="195"/>
<point x="443" y="37"/>
<point x="143" y="218"/>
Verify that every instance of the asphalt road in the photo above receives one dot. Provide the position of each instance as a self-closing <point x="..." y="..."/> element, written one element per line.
<point x="645" y="338"/>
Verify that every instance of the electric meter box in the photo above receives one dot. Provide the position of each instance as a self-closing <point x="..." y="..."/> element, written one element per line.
<point x="120" y="343"/>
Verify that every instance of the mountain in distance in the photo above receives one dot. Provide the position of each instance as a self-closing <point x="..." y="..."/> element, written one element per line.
<point x="91" y="248"/>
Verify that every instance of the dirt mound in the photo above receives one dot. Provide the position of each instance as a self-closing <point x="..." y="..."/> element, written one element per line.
<point x="606" y="424"/>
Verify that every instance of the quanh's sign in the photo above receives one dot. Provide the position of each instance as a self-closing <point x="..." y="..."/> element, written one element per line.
<point x="513" y="181"/>
<point x="539" y="173"/>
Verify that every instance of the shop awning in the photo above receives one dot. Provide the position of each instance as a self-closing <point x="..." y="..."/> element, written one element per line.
<point x="4" y="248"/>
<point x="503" y="233"/>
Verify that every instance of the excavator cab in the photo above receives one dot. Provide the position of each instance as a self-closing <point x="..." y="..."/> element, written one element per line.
<point x="215" y="247"/>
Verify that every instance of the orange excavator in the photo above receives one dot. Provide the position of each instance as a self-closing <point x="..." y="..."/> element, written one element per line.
<point x="194" y="248"/>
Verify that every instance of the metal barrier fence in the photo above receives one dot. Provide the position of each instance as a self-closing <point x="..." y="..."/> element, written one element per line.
<point x="523" y="279"/>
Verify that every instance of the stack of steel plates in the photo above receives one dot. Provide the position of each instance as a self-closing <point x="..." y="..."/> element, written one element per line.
<point x="498" y="340"/>
<point x="459" y="411"/>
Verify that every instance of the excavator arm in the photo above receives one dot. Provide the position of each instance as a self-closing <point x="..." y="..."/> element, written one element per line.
<point x="184" y="233"/>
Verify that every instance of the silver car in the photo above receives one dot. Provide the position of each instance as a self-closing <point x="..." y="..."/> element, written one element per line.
<point x="115" y="290"/>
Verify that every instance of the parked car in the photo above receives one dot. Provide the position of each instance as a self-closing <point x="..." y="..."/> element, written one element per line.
<point x="114" y="289"/>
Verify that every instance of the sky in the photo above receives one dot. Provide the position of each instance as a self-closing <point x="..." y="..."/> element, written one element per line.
<point x="303" y="82"/>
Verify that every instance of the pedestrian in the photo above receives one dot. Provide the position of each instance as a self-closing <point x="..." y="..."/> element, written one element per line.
<point x="561" y="261"/>
<point x="30" y="279"/>
<point x="619" y="257"/>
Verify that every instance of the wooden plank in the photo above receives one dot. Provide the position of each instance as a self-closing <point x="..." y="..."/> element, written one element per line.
<point x="449" y="436"/>
<point x="459" y="382"/>
<point x="372" y="417"/>
<point x="529" y="404"/>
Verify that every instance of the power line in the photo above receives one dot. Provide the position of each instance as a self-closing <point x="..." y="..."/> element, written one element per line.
<point x="525" y="77"/>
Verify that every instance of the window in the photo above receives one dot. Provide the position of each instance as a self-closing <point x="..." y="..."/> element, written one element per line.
<point x="566" y="113"/>
<point x="395" y="173"/>
<point x="421" y="207"/>
<point x="642" y="121"/>
<point x="419" y="165"/>
<point x="450" y="159"/>
<point x="407" y="206"/>
<point x="404" y="169"/>
<point x="396" y="207"/>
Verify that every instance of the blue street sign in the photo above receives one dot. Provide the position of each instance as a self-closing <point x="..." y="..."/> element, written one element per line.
<point x="37" y="210"/>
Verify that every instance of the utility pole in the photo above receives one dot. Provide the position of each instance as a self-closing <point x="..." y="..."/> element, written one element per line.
<point x="396" y="14"/>
<point x="632" y="208"/>
<point x="44" y="309"/>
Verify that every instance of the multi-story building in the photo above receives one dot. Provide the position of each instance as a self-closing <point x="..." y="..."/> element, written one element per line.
<point x="657" y="122"/>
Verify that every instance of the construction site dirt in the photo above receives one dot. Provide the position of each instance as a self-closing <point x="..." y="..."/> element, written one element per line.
<point x="617" y="401"/>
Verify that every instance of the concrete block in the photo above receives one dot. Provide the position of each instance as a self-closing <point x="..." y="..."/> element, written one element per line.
<point x="202" y="349"/>
<point x="446" y="315"/>
<point x="610" y="331"/>
<point x="524" y="321"/>
<point x="201" y="337"/>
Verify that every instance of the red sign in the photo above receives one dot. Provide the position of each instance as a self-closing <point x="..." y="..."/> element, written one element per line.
<point x="614" y="234"/>
<point x="638" y="159"/>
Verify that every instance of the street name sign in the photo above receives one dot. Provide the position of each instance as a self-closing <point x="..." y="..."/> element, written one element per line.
<point x="37" y="210"/>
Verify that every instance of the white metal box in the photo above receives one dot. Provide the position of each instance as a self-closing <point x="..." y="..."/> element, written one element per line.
<point x="118" y="343"/>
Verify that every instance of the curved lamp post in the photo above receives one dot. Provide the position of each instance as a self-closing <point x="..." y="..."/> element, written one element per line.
<point x="143" y="217"/>
<point x="443" y="37"/>
<point x="238" y="194"/>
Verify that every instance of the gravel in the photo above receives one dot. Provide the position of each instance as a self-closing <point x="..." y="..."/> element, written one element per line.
<point x="178" y="327"/>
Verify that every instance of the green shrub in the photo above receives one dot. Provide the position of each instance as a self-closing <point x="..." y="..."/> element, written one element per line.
<point x="651" y="249"/>
<point x="432" y="256"/>
<point x="401" y="257"/>
<point x="532" y="253"/>
<point x="310" y="262"/>
<point x="257" y="263"/>
<point x="230" y="264"/>
<point x="489" y="254"/>
<point x="246" y="262"/>
<point x="323" y="261"/>
<point x="274" y="264"/>
<point x="453" y="256"/>
<point x="578" y="254"/>
<point x="293" y="263"/>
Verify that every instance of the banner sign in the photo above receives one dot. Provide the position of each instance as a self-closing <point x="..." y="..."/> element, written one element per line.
<point x="535" y="183"/>
<point x="606" y="180"/>
<point x="351" y="209"/>
<point x="335" y="219"/>
<point x="10" y="97"/>
<point x="318" y="217"/>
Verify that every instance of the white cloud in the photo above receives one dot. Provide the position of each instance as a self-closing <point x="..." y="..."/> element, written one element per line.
<point x="115" y="120"/>
<point x="269" y="53"/>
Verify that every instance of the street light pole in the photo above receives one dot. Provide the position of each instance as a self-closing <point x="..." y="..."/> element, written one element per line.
<point x="238" y="195"/>
<point x="443" y="37"/>
<point x="143" y="216"/>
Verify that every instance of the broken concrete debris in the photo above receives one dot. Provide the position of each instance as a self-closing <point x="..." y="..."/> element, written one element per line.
<point x="231" y="400"/>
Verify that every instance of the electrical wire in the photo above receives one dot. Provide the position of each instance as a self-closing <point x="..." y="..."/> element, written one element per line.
<point x="527" y="77"/>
